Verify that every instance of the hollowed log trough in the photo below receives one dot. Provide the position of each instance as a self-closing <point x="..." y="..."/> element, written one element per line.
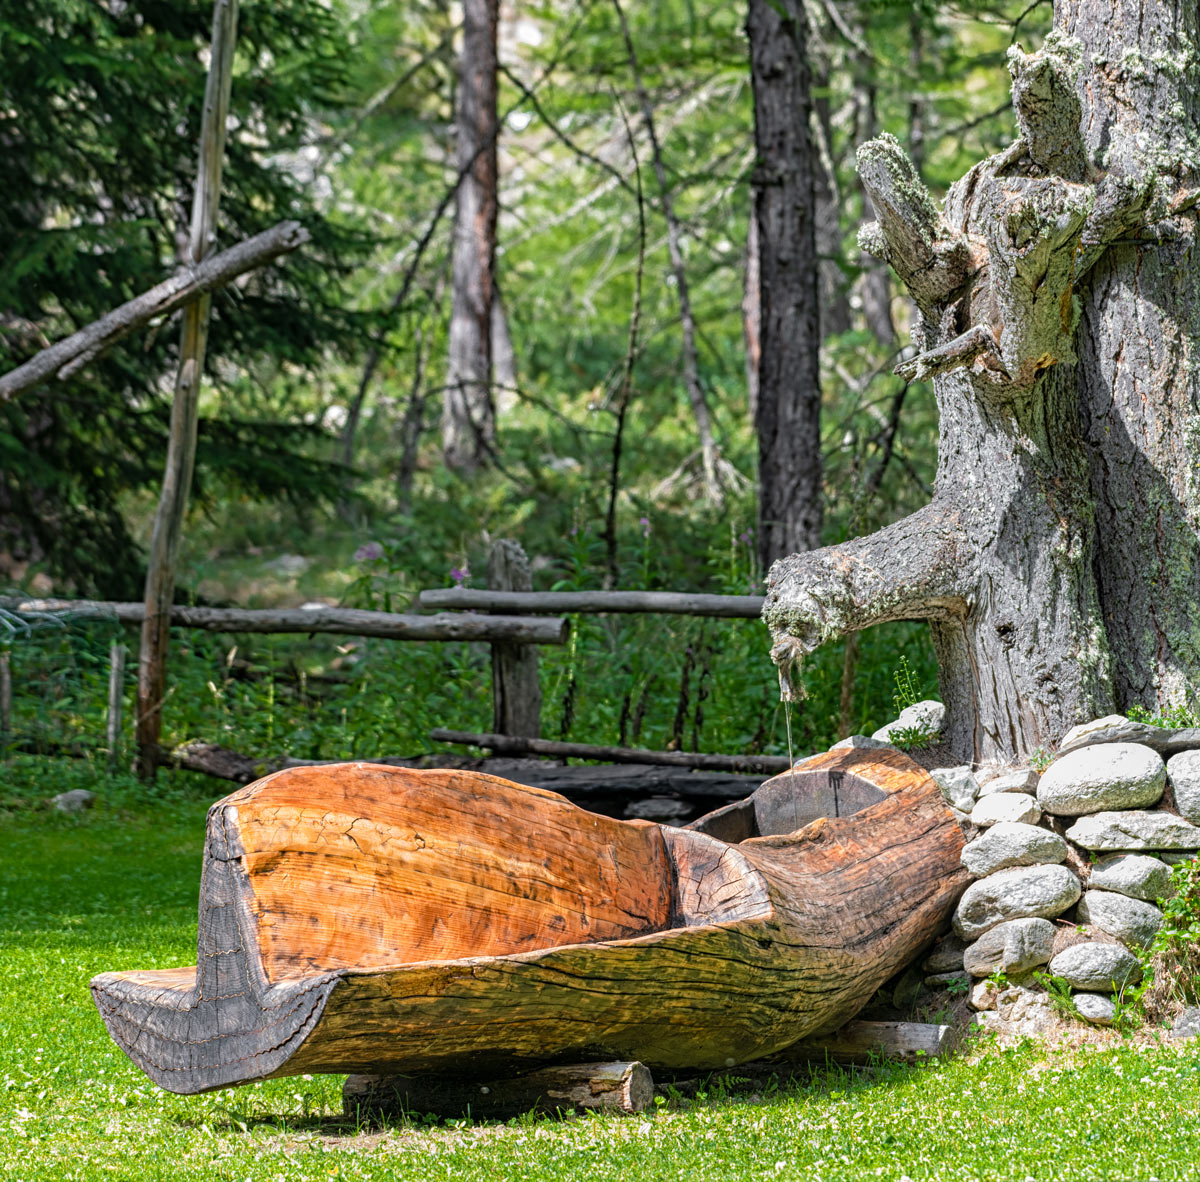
<point x="361" y="918"/>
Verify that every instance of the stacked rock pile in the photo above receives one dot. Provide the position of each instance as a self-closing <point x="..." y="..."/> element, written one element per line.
<point x="1068" y="867"/>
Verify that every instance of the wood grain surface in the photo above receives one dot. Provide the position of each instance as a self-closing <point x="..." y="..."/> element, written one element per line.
<point x="520" y="931"/>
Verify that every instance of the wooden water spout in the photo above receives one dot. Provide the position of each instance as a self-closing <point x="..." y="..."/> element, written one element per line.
<point x="361" y="918"/>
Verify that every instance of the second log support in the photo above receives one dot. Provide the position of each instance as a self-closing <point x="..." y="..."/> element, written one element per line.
<point x="596" y="1087"/>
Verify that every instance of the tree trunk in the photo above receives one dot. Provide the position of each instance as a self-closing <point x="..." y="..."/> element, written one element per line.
<point x="827" y="205"/>
<point x="789" y="392"/>
<point x="874" y="283"/>
<point x="1139" y="381"/>
<point x="468" y="412"/>
<point x="752" y="315"/>
<point x="1059" y="559"/>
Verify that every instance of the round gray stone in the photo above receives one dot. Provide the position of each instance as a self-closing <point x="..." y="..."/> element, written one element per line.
<point x="1026" y="892"/>
<point x="1131" y="921"/>
<point x="863" y="742"/>
<point x="1134" y="830"/>
<point x="74" y="801"/>
<point x="1112" y="728"/>
<point x="1096" y="1009"/>
<point x="946" y="956"/>
<point x="958" y="785"/>
<point x="1178" y="857"/>
<point x="1014" y="947"/>
<point x="1097" y="966"/>
<point x="1023" y="781"/>
<point x="1012" y="843"/>
<point x="1102" y="777"/>
<point x="1137" y="875"/>
<point x="929" y="715"/>
<point x="1018" y="807"/>
<point x="1183" y="770"/>
<point x="1187" y="1024"/>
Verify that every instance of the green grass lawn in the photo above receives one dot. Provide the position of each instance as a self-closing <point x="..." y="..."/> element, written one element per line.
<point x="118" y="890"/>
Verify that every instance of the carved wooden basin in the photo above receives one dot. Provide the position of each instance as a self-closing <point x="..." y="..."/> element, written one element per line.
<point x="361" y="918"/>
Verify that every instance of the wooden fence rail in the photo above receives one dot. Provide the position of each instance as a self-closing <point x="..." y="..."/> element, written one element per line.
<point x="507" y="616"/>
<point x="342" y="621"/>
<point x="674" y="603"/>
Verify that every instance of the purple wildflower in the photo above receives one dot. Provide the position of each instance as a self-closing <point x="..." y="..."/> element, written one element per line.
<point x="371" y="552"/>
<point x="460" y="576"/>
<point x="644" y="522"/>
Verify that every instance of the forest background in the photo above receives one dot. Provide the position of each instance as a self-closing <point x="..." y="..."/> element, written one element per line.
<point x="321" y="469"/>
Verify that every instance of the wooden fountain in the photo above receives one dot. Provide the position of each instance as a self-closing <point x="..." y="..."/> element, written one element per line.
<point x="369" y="919"/>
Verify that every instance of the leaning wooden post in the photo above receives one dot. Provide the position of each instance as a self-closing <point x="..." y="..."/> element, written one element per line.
<point x="516" y="695"/>
<point x="181" y="449"/>
<point x="116" y="696"/>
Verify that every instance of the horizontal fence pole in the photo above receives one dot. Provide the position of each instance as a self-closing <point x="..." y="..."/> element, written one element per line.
<point x="512" y="745"/>
<point x="673" y="603"/>
<point x="341" y="621"/>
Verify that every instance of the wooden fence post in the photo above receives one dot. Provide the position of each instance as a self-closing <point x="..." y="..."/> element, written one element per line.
<point x="116" y="696"/>
<point x="516" y="694"/>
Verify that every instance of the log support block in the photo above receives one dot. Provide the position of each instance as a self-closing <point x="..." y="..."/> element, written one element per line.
<point x="862" y="1042"/>
<point x="583" y="1087"/>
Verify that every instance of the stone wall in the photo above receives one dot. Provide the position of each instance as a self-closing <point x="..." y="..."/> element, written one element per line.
<point x="1070" y="866"/>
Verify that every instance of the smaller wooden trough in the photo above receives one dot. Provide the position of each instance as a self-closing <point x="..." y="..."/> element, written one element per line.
<point x="367" y="919"/>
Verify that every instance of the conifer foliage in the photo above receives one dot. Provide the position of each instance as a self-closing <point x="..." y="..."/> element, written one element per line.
<point x="99" y="111"/>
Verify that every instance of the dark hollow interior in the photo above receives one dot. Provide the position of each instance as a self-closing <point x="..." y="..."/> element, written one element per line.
<point x="789" y="802"/>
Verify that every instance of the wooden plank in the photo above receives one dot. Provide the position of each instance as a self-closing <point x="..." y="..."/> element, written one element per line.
<point x="341" y="621"/>
<point x="584" y="1087"/>
<point x="71" y="354"/>
<point x="679" y="603"/>
<point x="512" y="745"/>
<point x="516" y="693"/>
<point x="167" y="532"/>
<point x="863" y="1042"/>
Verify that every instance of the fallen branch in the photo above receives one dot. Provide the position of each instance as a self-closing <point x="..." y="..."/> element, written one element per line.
<point x="68" y="356"/>
<point x="343" y="621"/>
<point x="510" y="745"/>
<point x="677" y="603"/>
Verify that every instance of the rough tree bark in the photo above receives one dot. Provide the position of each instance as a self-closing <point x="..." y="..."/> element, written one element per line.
<point x="1059" y="559"/>
<point x="468" y="411"/>
<point x="789" y="379"/>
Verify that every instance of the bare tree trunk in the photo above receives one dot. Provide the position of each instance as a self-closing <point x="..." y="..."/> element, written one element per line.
<point x="789" y="399"/>
<point x="1059" y="561"/>
<point x="752" y="315"/>
<point x="468" y="412"/>
<point x="1139" y="334"/>
<point x="504" y="359"/>
<point x="181" y="447"/>
<point x="875" y="284"/>
<point x="834" y="289"/>
<point x="916" y="102"/>
<point x="709" y="453"/>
